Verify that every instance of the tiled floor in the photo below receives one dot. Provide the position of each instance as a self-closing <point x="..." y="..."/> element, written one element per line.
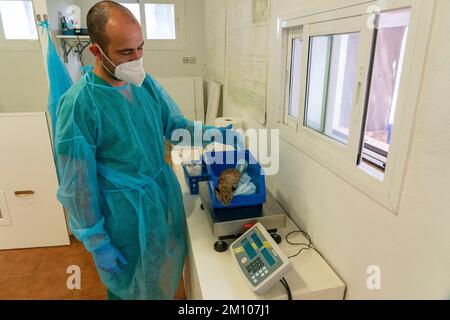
<point x="40" y="274"/>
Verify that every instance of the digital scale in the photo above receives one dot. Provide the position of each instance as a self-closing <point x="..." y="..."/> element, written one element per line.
<point x="273" y="217"/>
<point x="259" y="259"/>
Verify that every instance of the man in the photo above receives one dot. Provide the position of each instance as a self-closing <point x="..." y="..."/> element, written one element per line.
<point x="123" y="200"/>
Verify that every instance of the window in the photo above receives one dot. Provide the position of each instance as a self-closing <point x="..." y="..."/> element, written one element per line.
<point x="293" y="72"/>
<point x="294" y="99"/>
<point x="331" y="79"/>
<point x="17" y="20"/>
<point x="350" y="78"/>
<point x="163" y="23"/>
<point x="160" y="21"/>
<point x="386" y="70"/>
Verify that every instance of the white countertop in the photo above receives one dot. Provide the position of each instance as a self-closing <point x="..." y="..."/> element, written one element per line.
<point x="214" y="276"/>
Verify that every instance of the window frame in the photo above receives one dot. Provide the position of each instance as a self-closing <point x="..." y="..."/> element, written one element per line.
<point x="292" y="34"/>
<point x="375" y="149"/>
<point x="169" y="44"/>
<point x="334" y="27"/>
<point x="342" y="159"/>
<point x="20" y="44"/>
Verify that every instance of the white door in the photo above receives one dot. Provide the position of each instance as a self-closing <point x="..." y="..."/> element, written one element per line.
<point x="30" y="215"/>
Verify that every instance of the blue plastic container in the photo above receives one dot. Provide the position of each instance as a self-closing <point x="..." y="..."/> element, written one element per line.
<point x="192" y="181"/>
<point x="241" y="206"/>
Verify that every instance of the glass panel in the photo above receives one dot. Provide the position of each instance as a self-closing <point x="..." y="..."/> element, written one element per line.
<point x="343" y="68"/>
<point x="389" y="51"/>
<point x="331" y="79"/>
<point x="17" y="18"/>
<point x="317" y="81"/>
<point x="294" y="99"/>
<point x="160" y="21"/>
<point x="134" y="8"/>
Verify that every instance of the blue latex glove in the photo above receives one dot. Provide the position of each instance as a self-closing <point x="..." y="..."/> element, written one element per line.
<point x="219" y="134"/>
<point x="107" y="258"/>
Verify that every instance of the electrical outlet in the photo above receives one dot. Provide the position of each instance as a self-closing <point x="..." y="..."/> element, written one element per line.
<point x="192" y="60"/>
<point x="186" y="60"/>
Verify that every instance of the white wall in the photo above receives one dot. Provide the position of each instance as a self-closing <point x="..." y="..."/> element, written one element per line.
<point x="215" y="39"/>
<point x="350" y="229"/>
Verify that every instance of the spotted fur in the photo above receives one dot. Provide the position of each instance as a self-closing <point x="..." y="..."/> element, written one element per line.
<point x="227" y="185"/>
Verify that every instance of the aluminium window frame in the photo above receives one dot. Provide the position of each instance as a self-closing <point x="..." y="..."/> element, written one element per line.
<point x="329" y="28"/>
<point x="336" y="157"/>
<point x="292" y="34"/>
<point x="372" y="150"/>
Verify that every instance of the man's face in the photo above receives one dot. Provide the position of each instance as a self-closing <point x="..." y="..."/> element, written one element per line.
<point x="125" y="43"/>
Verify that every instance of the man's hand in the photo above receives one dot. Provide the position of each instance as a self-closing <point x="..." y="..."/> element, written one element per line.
<point x="107" y="258"/>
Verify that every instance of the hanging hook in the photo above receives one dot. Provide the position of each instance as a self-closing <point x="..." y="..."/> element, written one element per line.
<point x="43" y="23"/>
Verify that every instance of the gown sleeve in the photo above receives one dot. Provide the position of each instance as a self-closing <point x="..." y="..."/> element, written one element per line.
<point x="77" y="131"/>
<point x="173" y="120"/>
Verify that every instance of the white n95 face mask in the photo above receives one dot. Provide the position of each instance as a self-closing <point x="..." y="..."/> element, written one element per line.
<point x="132" y="71"/>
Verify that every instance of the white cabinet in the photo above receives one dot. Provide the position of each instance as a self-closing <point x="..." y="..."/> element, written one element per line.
<point x="31" y="216"/>
<point x="210" y="275"/>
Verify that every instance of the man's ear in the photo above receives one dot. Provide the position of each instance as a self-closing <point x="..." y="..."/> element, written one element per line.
<point x="96" y="52"/>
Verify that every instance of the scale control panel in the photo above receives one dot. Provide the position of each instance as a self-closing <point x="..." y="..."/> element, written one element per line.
<point x="260" y="259"/>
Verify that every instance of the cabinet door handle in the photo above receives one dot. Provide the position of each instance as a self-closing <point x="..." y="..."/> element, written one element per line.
<point x="24" y="193"/>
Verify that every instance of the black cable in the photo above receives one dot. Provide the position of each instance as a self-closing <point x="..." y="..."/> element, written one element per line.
<point x="286" y="286"/>
<point x="287" y="290"/>
<point x="308" y="246"/>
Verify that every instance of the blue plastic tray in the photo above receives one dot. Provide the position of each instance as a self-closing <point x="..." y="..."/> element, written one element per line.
<point x="192" y="181"/>
<point x="216" y="162"/>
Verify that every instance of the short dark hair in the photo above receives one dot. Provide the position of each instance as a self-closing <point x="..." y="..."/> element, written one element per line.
<point x="97" y="18"/>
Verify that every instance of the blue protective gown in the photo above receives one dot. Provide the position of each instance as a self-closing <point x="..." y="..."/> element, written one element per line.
<point x="116" y="185"/>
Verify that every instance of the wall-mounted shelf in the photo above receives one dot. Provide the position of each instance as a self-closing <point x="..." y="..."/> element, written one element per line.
<point x="76" y="43"/>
